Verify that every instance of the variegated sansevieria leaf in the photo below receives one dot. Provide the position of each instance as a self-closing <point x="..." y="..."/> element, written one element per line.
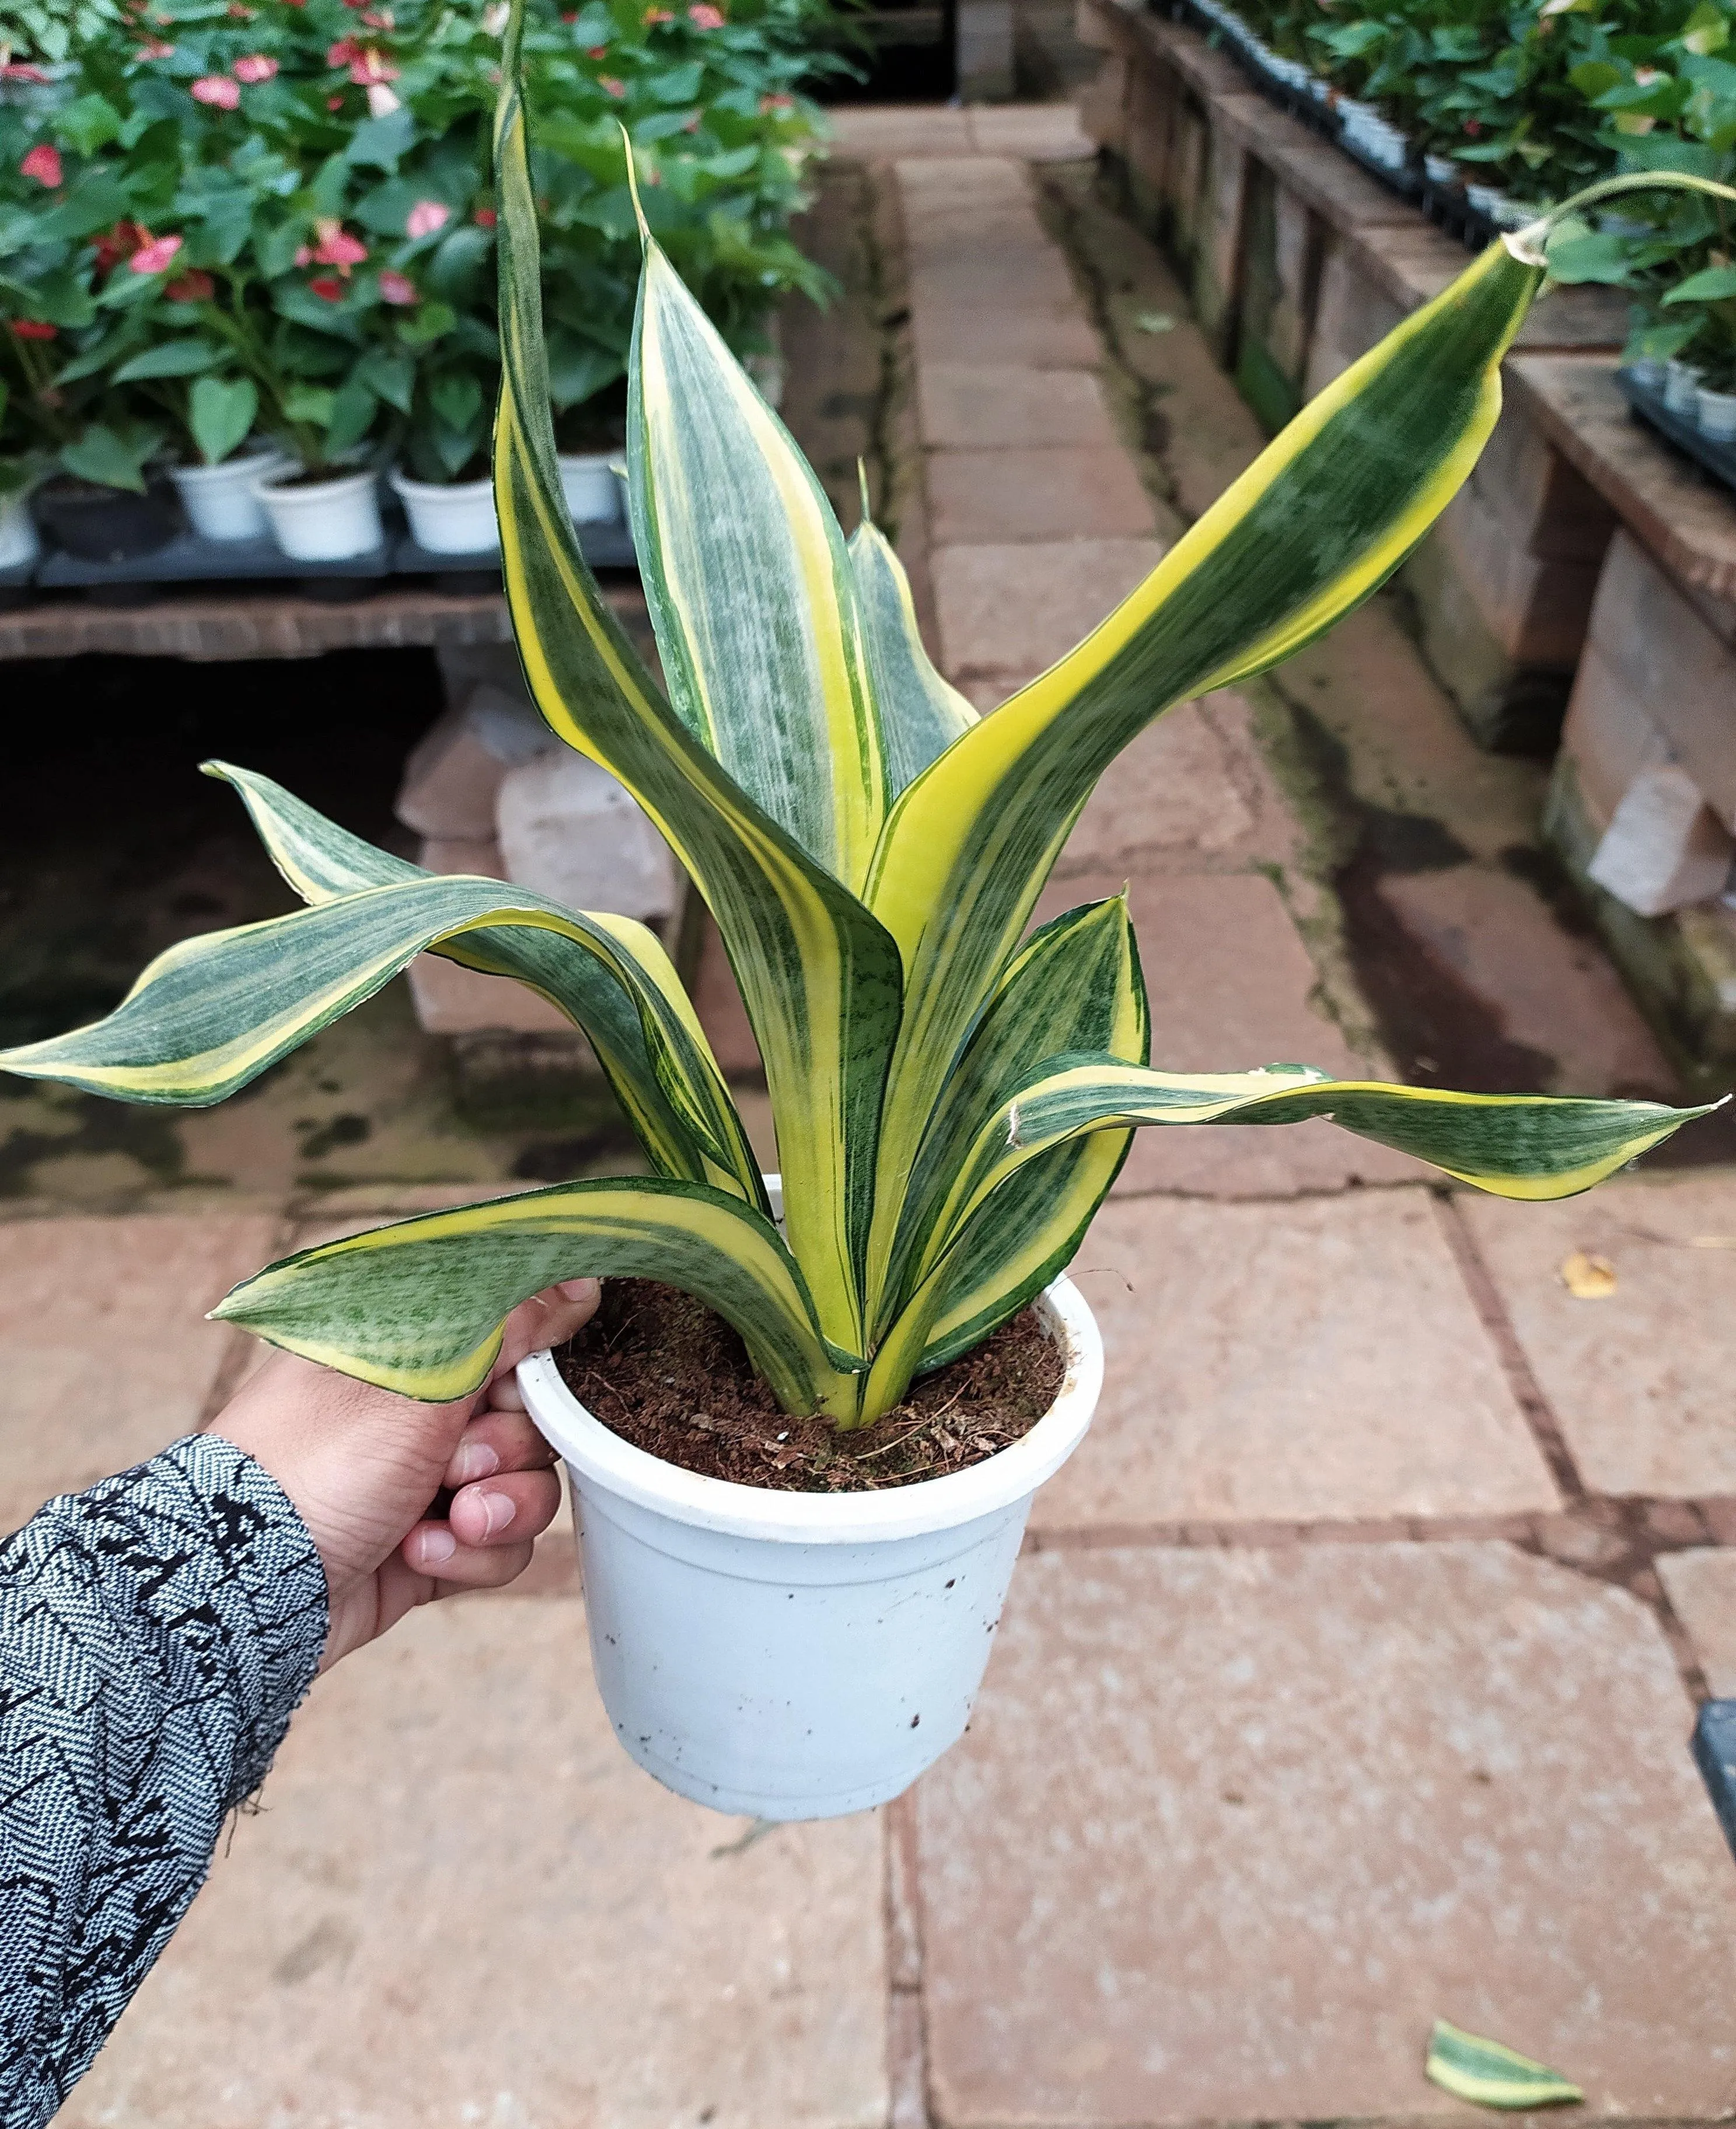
<point x="750" y="586"/>
<point x="1318" y="523"/>
<point x="921" y="714"/>
<point x="1514" y="1145"/>
<point x="820" y="977"/>
<point x="417" y="1306"/>
<point x="1076" y="988"/>
<point x="210" y="1015"/>
<point x="1490" y="2075"/>
<point x="683" y="1134"/>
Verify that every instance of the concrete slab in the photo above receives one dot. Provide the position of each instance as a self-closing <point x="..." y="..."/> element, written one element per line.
<point x="991" y="407"/>
<point x="1017" y="493"/>
<point x="104" y="1345"/>
<point x="1313" y="1360"/>
<point x="1034" y="132"/>
<point x="1015" y="609"/>
<point x="1232" y="986"/>
<point x="1189" y="793"/>
<point x="869" y="132"/>
<point x="1702" y="1587"/>
<point x="1639" y="1382"/>
<point x="1052" y="335"/>
<point x="1231" y="1829"/>
<point x="463" y="1904"/>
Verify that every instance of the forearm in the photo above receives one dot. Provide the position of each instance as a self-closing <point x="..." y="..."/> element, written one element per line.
<point x="157" y="1633"/>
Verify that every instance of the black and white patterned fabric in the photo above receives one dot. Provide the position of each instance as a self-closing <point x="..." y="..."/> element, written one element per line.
<point x="157" y="1634"/>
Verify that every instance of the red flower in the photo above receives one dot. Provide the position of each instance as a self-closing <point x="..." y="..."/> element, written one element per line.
<point x="597" y="52"/>
<point x="254" y="67"/>
<point x="657" y="15"/>
<point x="43" y="163"/>
<point x="769" y="104"/>
<point x="485" y="217"/>
<point x="609" y="81"/>
<point x="369" y="67"/>
<point x="238" y="13"/>
<point x="154" y="48"/>
<point x="33" y="329"/>
<point x="704" y="16"/>
<point x="332" y="291"/>
<point x="218" y="89"/>
<point x="155" y="257"/>
<point x="343" y="52"/>
<point x="378" y="18"/>
<point x="20" y="70"/>
<point x="195" y="286"/>
<point x="119" y="243"/>
<point x="398" y="288"/>
<point x="332" y="102"/>
<point x="1473" y="126"/>
<point x="335" y="249"/>
<point x="425" y="216"/>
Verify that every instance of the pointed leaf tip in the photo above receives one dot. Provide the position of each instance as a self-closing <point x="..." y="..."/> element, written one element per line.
<point x="632" y="184"/>
<point x="1490" y="2074"/>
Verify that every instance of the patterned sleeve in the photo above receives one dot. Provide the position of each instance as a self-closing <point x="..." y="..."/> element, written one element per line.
<point x="157" y="1633"/>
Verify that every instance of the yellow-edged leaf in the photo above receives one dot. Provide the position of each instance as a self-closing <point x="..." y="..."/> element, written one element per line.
<point x="1488" y="2074"/>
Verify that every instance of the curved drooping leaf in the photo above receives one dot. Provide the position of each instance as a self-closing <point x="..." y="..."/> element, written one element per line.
<point x="1318" y="523"/>
<point x="1076" y="986"/>
<point x="750" y="587"/>
<point x="1514" y="1145"/>
<point x="417" y="1306"/>
<point x="681" y="1136"/>
<point x="820" y="977"/>
<point x="210" y="1015"/>
<point x="921" y="714"/>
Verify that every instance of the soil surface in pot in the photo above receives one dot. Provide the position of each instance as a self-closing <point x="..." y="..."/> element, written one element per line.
<point x="667" y="1374"/>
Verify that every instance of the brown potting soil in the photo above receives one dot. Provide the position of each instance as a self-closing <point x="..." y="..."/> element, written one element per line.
<point x="666" y="1372"/>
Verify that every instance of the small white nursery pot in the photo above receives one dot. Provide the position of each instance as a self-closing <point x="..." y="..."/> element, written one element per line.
<point x="1682" y="387"/>
<point x="456" y="519"/>
<point x="323" y="520"/>
<point x="1715" y="413"/>
<point x="219" y="501"/>
<point x="18" y="541"/>
<point x="799" y="1655"/>
<point x="593" y="493"/>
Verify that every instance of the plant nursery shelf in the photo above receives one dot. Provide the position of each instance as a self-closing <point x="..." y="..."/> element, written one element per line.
<point x="208" y="624"/>
<point x="1683" y="515"/>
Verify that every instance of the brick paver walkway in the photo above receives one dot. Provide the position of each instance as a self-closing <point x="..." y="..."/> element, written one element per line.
<point x="1347" y="1683"/>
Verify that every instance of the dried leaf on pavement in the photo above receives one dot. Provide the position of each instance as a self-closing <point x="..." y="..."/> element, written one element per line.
<point x="1588" y="1278"/>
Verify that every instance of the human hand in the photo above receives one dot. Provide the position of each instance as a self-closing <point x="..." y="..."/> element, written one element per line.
<point x="363" y="1467"/>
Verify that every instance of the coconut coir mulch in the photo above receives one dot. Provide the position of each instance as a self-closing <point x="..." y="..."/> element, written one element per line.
<point x="661" y="1370"/>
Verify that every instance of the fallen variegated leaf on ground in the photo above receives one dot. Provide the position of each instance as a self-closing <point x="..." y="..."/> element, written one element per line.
<point x="1490" y="2075"/>
<point x="1588" y="1278"/>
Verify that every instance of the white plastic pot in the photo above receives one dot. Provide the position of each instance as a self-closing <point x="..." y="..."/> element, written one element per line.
<point x="1682" y="387"/>
<point x="457" y="519"/>
<point x="18" y="541"/>
<point x="1715" y="413"/>
<point x="1648" y="370"/>
<point x="323" y="520"/>
<point x="593" y="493"/>
<point x="799" y="1655"/>
<point x="219" y="501"/>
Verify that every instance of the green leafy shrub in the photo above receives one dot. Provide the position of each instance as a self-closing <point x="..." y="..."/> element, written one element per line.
<point x="229" y="215"/>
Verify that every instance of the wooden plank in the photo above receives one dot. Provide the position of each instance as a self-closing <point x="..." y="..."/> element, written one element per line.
<point x="208" y="626"/>
<point x="1681" y="515"/>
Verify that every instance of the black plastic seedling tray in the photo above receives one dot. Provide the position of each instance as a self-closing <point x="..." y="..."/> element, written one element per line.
<point x="1718" y="459"/>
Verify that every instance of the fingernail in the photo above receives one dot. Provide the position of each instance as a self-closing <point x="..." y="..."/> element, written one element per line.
<point x="471" y="1460"/>
<point x="438" y="1544"/>
<point x="579" y="1289"/>
<point x="498" y="1509"/>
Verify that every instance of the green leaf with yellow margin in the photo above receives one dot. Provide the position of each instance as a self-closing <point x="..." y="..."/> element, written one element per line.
<point x="820" y="977"/>
<point x="1319" y="522"/>
<point x="921" y="714"/>
<point x="688" y="1134"/>
<point x="1490" y="2075"/>
<point x="210" y="1015"/>
<point x="418" y="1306"/>
<point x="1534" y="1146"/>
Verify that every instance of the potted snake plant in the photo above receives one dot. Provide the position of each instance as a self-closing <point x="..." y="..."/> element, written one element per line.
<point x="952" y="1098"/>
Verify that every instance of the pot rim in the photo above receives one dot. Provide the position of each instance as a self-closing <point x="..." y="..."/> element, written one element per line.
<point x="267" y="486"/>
<point x="1012" y="1474"/>
<point x="441" y="491"/>
<point x="269" y="458"/>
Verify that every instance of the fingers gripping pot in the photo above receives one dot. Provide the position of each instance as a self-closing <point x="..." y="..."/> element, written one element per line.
<point x="799" y="1655"/>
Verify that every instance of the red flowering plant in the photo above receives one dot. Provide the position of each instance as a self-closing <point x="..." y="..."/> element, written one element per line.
<point x="276" y="215"/>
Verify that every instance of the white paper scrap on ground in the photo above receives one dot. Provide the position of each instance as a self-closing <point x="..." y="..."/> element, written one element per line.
<point x="1665" y="847"/>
